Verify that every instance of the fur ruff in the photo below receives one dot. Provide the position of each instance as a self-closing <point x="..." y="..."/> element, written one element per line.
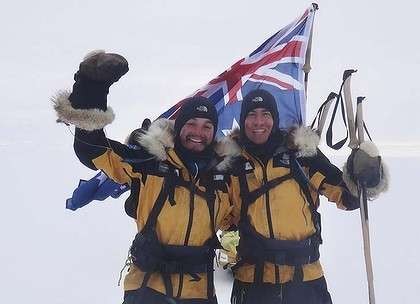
<point x="86" y="119"/>
<point x="229" y="150"/>
<point x="370" y="148"/>
<point x="372" y="193"/>
<point x="93" y="53"/>
<point x="160" y="137"/>
<point x="306" y="140"/>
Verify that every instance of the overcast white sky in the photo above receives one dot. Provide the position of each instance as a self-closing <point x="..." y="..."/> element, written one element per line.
<point x="174" y="47"/>
<point x="51" y="255"/>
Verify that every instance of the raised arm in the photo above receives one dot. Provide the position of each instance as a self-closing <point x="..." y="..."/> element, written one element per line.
<point x="86" y="108"/>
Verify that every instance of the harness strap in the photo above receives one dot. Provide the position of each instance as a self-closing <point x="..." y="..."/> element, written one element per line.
<point x="157" y="207"/>
<point x="207" y="195"/>
<point x="256" y="250"/>
<point x="249" y="197"/>
<point x="303" y="182"/>
<point x="244" y="190"/>
<point x="166" y="277"/>
<point x="211" y="199"/>
<point x="255" y="194"/>
<point x="210" y="281"/>
<point x="171" y="187"/>
<point x="150" y="225"/>
<point x="298" y="275"/>
<point x="259" y="272"/>
<point x="170" y="182"/>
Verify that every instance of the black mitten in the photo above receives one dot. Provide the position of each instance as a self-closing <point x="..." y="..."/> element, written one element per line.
<point x="86" y="106"/>
<point x="97" y="72"/>
<point x="103" y="67"/>
<point x="365" y="166"/>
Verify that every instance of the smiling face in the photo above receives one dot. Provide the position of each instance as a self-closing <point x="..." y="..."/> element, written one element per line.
<point x="258" y="125"/>
<point x="196" y="134"/>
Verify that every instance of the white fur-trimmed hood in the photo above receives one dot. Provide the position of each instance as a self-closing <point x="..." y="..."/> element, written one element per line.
<point x="302" y="139"/>
<point x="229" y="150"/>
<point x="305" y="140"/>
<point x="86" y="119"/>
<point x="160" y="137"/>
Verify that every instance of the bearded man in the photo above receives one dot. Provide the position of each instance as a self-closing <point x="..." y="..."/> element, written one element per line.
<point x="179" y="193"/>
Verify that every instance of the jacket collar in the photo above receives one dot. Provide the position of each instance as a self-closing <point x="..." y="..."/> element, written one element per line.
<point x="158" y="140"/>
<point x="302" y="140"/>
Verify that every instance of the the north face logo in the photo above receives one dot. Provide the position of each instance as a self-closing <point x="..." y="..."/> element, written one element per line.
<point x="257" y="99"/>
<point x="202" y="109"/>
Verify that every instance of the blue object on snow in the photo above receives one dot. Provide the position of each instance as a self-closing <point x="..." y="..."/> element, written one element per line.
<point x="97" y="188"/>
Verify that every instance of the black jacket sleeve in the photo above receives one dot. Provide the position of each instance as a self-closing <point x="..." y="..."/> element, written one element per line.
<point x="96" y="151"/>
<point x="328" y="181"/>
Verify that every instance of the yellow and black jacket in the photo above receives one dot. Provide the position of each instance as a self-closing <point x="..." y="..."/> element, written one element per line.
<point x="275" y="207"/>
<point x="173" y="210"/>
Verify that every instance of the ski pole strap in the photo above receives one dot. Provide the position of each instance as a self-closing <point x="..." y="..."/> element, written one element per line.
<point x="322" y="112"/>
<point x="329" y="137"/>
<point x="366" y="129"/>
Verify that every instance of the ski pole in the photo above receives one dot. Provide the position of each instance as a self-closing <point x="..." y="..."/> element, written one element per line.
<point x="364" y="216"/>
<point x="353" y="144"/>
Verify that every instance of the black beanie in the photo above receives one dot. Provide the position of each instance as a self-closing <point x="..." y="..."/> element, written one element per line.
<point x="196" y="107"/>
<point x="259" y="99"/>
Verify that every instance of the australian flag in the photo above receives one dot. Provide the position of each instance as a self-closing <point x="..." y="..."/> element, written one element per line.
<point x="276" y="66"/>
<point x="97" y="188"/>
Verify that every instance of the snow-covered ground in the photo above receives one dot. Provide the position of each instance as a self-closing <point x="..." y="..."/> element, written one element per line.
<point x="52" y="255"/>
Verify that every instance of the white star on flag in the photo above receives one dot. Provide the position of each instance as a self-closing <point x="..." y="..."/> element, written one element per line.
<point x="235" y="125"/>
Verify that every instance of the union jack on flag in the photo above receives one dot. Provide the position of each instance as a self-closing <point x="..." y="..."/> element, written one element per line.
<point x="276" y="66"/>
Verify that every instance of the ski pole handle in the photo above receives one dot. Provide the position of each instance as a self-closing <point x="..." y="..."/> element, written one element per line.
<point x="353" y="144"/>
<point x="359" y="119"/>
<point x="324" y="114"/>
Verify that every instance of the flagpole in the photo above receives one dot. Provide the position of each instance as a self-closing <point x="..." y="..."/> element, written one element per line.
<point x="307" y="65"/>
